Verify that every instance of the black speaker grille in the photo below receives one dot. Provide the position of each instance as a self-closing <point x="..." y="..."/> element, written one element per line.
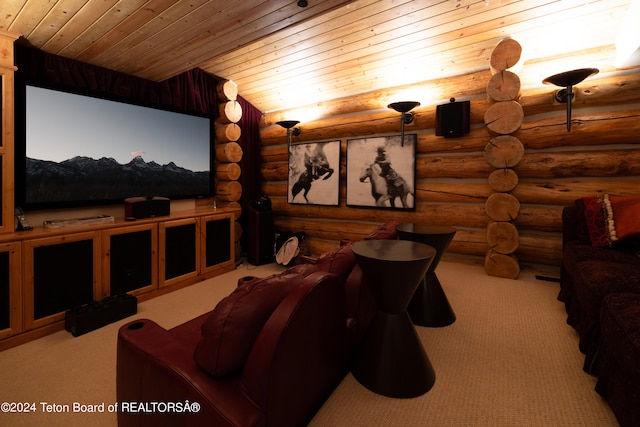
<point x="453" y="119"/>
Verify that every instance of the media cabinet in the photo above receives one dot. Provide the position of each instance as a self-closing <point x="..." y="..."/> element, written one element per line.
<point x="44" y="272"/>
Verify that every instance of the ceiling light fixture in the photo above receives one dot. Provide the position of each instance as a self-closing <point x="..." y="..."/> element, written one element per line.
<point x="404" y="107"/>
<point x="568" y="79"/>
<point x="289" y="126"/>
<point x="302" y="3"/>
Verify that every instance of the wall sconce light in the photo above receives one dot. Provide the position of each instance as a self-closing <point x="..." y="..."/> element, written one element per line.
<point x="404" y="107"/>
<point x="289" y="126"/>
<point x="567" y="80"/>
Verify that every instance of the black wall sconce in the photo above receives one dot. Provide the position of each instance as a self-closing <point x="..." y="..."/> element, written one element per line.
<point x="289" y="126"/>
<point x="404" y="107"/>
<point x="568" y="79"/>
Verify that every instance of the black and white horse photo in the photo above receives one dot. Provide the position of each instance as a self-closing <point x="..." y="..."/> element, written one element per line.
<point x="312" y="173"/>
<point x="381" y="172"/>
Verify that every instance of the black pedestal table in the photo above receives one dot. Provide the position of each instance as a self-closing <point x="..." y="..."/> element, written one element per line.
<point x="429" y="305"/>
<point x="391" y="359"/>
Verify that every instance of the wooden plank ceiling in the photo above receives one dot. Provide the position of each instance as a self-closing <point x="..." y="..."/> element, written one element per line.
<point x="282" y="55"/>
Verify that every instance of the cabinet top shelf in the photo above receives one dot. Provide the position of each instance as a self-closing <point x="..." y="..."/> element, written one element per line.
<point x="41" y="231"/>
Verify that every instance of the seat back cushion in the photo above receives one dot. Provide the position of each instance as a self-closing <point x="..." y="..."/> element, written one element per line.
<point x="385" y="231"/>
<point x="339" y="262"/>
<point x="232" y="327"/>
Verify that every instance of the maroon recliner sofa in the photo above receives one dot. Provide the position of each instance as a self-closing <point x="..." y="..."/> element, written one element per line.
<point x="600" y="286"/>
<point x="269" y="354"/>
<point x="591" y="269"/>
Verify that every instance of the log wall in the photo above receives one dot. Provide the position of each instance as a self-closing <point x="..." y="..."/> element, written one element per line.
<point x="600" y="154"/>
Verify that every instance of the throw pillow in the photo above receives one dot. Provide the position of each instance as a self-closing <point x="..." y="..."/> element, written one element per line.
<point x="611" y="219"/>
<point x="623" y="216"/>
<point x="594" y="213"/>
<point x="232" y="327"/>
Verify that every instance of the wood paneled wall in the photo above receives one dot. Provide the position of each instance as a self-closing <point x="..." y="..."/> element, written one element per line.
<point x="600" y="154"/>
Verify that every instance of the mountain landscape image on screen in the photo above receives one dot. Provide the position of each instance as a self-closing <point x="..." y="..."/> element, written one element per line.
<point x="86" y="179"/>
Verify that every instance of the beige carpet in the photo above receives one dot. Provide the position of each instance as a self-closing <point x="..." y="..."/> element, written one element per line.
<point x="510" y="359"/>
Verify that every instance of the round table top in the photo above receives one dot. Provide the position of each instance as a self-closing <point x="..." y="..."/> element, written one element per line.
<point x="424" y="228"/>
<point x="393" y="250"/>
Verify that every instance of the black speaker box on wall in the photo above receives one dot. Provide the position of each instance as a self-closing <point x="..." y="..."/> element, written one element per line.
<point x="146" y="207"/>
<point x="453" y="119"/>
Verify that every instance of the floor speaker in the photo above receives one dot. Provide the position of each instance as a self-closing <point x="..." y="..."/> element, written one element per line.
<point x="261" y="234"/>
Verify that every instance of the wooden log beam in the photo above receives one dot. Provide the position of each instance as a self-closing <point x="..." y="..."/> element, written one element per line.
<point x="558" y="193"/>
<point x="584" y="163"/>
<point x="439" y="214"/>
<point x="603" y="128"/>
<point x="326" y="229"/>
<point x="537" y="165"/>
<point x="540" y="248"/>
<point x="563" y="193"/>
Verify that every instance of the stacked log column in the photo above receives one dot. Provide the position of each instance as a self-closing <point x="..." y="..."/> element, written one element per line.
<point x="228" y="152"/>
<point x="503" y="152"/>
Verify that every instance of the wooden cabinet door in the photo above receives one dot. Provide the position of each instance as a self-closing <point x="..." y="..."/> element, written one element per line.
<point x="179" y="250"/>
<point x="130" y="261"/>
<point x="217" y="243"/>
<point x="10" y="290"/>
<point x="59" y="273"/>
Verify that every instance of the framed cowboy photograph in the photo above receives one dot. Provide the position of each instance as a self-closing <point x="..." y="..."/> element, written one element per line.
<point x="314" y="173"/>
<point x="381" y="172"/>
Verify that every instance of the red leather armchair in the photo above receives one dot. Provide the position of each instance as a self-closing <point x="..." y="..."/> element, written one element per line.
<point x="296" y="360"/>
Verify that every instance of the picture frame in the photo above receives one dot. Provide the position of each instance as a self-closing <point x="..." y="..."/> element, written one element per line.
<point x="314" y="173"/>
<point x="390" y="161"/>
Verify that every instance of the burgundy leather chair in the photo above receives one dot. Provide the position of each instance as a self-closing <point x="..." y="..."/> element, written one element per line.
<point x="268" y="355"/>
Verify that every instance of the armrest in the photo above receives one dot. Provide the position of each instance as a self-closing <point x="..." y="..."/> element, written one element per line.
<point x="300" y="355"/>
<point x="307" y="259"/>
<point x="155" y="366"/>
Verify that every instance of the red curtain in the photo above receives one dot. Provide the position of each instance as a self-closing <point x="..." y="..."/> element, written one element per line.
<point x="250" y="165"/>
